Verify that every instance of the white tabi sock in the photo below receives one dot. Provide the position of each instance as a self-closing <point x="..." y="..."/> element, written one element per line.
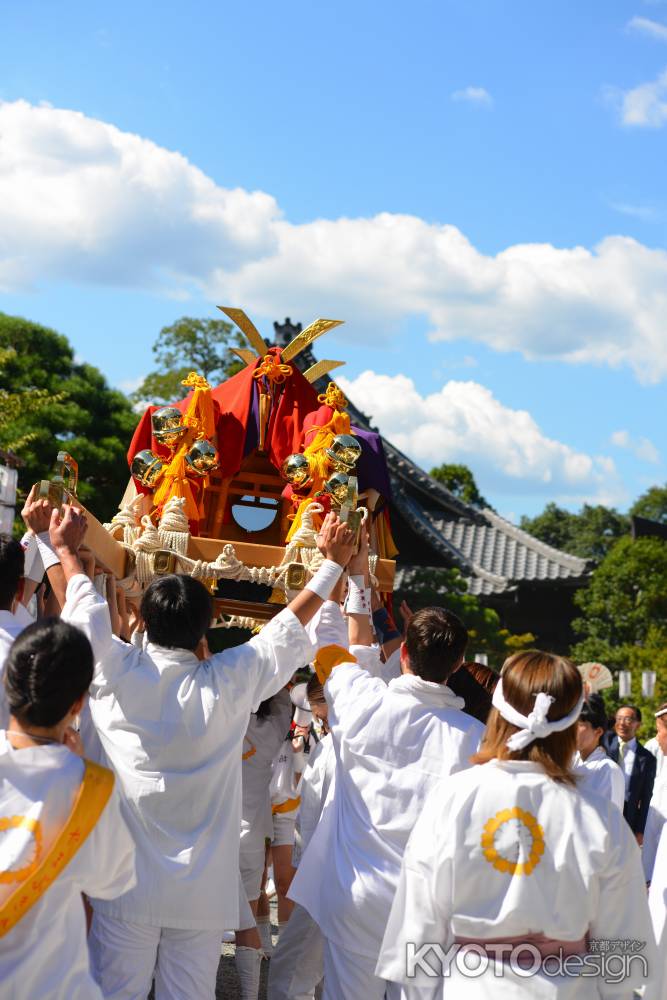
<point x="248" y="965"/>
<point x="264" y="928"/>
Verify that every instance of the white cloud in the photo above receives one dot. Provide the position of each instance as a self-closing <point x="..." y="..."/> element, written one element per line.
<point x="82" y="201"/>
<point x="645" y="106"/>
<point x="640" y="447"/>
<point x="464" y="422"/>
<point x="644" y="212"/>
<point x="474" y="95"/>
<point x="653" y="28"/>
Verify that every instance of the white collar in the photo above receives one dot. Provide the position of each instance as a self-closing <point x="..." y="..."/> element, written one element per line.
<point x="597" y="754"/>
<point x="427" y="691"/>
<point x="630" y="744"/>
<point x="164" y="654"/>
<point x="518" y="765"/>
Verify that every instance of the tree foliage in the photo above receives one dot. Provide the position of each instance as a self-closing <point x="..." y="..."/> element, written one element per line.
<point x="422" y="588"/>
<point x="200" y="345"/>
<point x="624" y="617"/>
<point x="54" y="403"/>
<point x="589" y="534"/>
<point x="652" y="504"/>
<point x="460" y="481"/>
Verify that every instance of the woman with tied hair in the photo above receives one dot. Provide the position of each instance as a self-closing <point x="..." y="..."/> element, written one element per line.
<point x="61" y="832"/>
<point x="516" y="867"/>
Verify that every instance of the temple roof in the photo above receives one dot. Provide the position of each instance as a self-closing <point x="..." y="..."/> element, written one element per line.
<point x="492" y="553"/>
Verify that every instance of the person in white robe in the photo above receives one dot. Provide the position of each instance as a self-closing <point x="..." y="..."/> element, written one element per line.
<point x="297" y="964"/>
<point x="511" y="868"/>
<point x="172" y="728"/>
<point x="263" y="738"/>
<point x="14" y="617"/>
<point x="657" y="810"/>
<point x="61" y="830"/>
<point x="594" y="768"/>
<point x="392" y="744"/>
<point x="657" y="899"/>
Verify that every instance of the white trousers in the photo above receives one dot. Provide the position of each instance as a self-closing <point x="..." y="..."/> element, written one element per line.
<point x="125" y="957"/>
<point x="297" y="964"/>
<point x="348" y="976"/>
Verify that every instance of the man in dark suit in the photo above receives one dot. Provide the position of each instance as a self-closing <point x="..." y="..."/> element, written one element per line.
<point x="637" y="764"/>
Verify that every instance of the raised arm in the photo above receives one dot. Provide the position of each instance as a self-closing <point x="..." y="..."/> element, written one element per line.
<point x="36" y="515"/>
<point x="358" y="604"/>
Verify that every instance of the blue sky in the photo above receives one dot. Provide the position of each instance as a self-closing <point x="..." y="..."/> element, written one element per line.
<point x="476" y="188"/>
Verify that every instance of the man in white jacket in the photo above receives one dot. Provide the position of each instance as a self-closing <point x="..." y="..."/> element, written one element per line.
<point x="393" y="742"/>
<point x="172" y="727"/>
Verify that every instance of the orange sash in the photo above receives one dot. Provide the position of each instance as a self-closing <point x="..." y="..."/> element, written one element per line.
<point x="287" y="806"/>
<point x="91" y="798"/>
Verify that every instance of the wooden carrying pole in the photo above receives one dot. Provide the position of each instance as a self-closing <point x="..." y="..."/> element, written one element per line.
<point x="113" y="556"/>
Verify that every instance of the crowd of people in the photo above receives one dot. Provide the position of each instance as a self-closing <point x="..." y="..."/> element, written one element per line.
<point x="431" y="829"/>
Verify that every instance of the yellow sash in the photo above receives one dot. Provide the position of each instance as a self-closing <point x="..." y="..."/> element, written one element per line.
<point x="91" y="798"/>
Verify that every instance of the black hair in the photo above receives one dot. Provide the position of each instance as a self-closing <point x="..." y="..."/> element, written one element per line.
<point x="635" y="709"/>
<point x="49" y="667"/>
<point x="436" y="640"/>
<point x="593" y="711"/>
<point x="12" y="565"/>
<point x="177" y="610"/>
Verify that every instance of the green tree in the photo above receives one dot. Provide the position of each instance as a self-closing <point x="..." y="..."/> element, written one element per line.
<point x="624" y="617"/>
<point x="460" y="481"/>
<point x="447" y="587"/>
<point x="199" y="345"/>
<point x="652" y="504"/>
<point x="589" y="534"/>
<point x="17" y="407"/>
<point x="81" y="414"/>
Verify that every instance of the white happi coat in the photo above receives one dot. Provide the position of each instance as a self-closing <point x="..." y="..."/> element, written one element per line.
<point x="12" y="624"/>
<point x="314" y="788"/>
<point x="392" y="744"/>
<point x="655" y="822"/>
<point x="653" y="747"/>
<point x="45" y="954"/>
<point x="583" y="876"/>
<point x="172" y="728"/>
<point x="657" y="898"/>
<point x="261" y="743"/>
<point x="600" y="774"/>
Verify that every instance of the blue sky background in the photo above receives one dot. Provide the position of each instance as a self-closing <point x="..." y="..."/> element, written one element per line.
<point x="509" y="121"/>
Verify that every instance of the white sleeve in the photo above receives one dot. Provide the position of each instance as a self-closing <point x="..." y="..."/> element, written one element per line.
<point x="622" y="913"/>
<point x="352" y="695"/>
<point x="328" y="627"/>
<point x="654" y="826"/>
<point x="88" y="611"/>
<point x="391" y="668"/>
<point x="261" y="667"/>
<point x="110" y="849"/>
<point x="421" y="911"/>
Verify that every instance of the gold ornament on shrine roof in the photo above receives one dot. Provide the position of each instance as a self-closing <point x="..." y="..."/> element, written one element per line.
<point x="302" y="340"/>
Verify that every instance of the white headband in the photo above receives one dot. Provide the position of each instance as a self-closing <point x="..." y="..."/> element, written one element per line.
<point x="662" y="712"/>
<point x="536" y="725"/>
